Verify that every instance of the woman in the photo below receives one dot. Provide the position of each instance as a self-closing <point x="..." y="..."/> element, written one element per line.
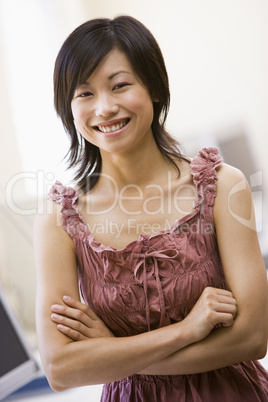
<point x="174" y="285"/>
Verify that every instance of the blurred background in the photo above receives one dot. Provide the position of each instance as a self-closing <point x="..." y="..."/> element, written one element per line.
<point x="216" y="54"/>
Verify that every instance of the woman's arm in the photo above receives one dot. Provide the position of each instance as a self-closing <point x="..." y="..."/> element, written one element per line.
<point x="246" y="277"/>
<point x="70" y="363"/>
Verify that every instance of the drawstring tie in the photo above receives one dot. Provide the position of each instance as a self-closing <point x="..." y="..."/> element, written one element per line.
<point x="156" y="256"/>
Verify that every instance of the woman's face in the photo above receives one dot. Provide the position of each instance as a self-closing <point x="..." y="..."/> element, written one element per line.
<point x="113" y="110"/>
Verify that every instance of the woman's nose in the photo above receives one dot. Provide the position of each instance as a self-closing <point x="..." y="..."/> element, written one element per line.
<point x="106" y="106"/>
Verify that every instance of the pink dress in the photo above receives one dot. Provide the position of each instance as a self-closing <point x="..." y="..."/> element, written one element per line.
<point x="155" y="281"/>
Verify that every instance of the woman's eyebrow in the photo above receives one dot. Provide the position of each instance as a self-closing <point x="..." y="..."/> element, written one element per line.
<point x="87" y="83"/>
<point x="117" y="73"/>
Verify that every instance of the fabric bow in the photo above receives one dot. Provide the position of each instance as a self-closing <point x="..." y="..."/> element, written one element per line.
<point x="156" y="256"/>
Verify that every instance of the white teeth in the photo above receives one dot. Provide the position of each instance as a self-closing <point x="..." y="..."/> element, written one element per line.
<point x="113" y="127"/>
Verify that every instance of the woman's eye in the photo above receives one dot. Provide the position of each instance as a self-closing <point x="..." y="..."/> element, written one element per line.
<point x="84" y="94"/>
<point x="122" y="85"/>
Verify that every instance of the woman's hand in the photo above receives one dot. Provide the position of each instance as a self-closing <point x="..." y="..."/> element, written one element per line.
<point x="78" y="321"/>
<point x="215" y="306"/>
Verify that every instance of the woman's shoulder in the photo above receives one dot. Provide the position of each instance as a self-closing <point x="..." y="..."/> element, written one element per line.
<point x="48" y="229"/>
<point x="48" y="216"/>
<point x="49" y="219"/>
<point x="233" y="197"/>
<point x="229" y="176"/>
<point x="209" y="161"/>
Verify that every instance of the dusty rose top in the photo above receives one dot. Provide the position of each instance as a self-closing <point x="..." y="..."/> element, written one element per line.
<point x="155" y="281"/>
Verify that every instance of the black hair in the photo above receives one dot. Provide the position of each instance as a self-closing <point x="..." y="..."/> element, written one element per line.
<point x="79" y="56"/>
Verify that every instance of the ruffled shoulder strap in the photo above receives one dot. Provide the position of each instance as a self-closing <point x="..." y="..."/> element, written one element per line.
<point x="72" y="220"/>
<point x="65" y="196"/>
<point x="204" y="171"/>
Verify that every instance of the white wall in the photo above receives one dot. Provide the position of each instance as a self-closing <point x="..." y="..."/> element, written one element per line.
<point x="216" y="53"/>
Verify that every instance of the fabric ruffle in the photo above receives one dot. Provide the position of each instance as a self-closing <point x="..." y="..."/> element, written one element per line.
<point x="72" y="220"/>
<point x="204" y="171"/>
<point x="244" y="382"/>
<point x="66" y="196"/>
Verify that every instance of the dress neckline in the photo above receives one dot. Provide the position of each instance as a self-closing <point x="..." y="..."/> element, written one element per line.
<point x="203" y="169"/>
<point x="142" y="237"/>
<point x="99" y="246"/>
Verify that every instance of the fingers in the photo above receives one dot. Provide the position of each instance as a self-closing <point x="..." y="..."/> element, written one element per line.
<point x="74" y="318"/>
<point x="76" y="304"/>
<point x="225" y="308"/>
<point x="215" y="306"/>
<point x="72" y="328"/>
<point x="220" y="296"/>
<point x="76" y="310"/>
<point x="225" y="319"/>
<point x="221" y="293"/>
<point x="78" y="321"/>
<point x="223" y="303"/>
<point x="70" y="317"/>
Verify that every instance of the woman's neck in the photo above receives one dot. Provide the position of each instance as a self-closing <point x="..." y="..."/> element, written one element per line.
<point x="138" y="168"/>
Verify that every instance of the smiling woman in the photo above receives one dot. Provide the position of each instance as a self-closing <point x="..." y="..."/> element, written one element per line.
<point x="141" y="61"/>
<point x="171" y="311"/>
<point x="113" y="111"/>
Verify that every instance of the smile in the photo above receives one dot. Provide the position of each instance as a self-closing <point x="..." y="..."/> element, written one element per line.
<point x="110" y="128"/>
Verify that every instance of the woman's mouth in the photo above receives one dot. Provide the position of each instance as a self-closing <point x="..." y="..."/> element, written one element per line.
<point x="110" y="128"/>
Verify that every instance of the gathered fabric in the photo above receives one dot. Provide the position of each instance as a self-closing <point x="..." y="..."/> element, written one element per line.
<point x="155" y="281"/>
